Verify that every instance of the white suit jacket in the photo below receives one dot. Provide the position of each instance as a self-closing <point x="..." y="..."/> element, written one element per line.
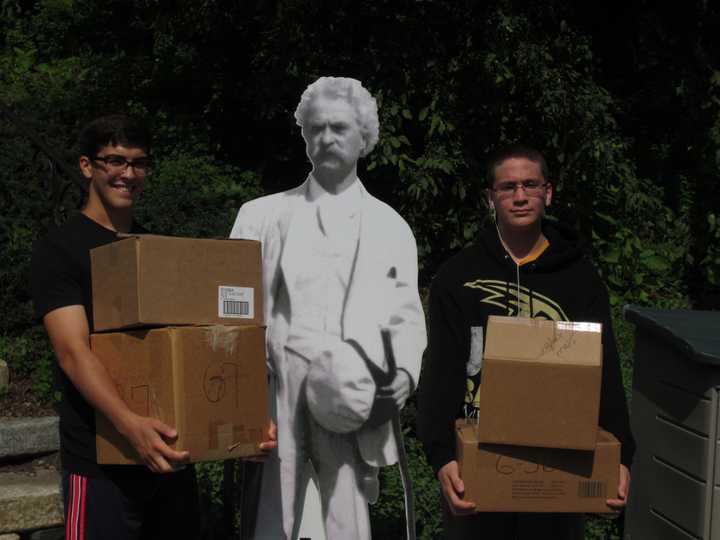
<point x="382" y="292"/>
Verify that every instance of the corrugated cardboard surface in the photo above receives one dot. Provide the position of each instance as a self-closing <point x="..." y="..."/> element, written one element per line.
<point x="162" y="280"/>
<point x="508" y="478"/>
<point x="209" y="382"/>
<point x="541" y="383"/>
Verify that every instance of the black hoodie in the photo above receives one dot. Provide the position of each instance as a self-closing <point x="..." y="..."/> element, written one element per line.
<point x="483" y="280"/>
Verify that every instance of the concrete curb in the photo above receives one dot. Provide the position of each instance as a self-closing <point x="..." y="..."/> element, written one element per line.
<point x="28" y="436"/>
<point x="30" y="502"/>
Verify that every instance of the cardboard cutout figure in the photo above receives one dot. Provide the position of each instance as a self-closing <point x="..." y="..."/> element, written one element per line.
<point x="340" y="271"/>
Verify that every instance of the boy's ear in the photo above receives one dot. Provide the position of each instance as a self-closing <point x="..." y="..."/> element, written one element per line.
<point x="86" y="166"/>
<point x="548" y="194"/>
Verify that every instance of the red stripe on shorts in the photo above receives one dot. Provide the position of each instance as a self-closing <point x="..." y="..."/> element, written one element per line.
<point x="75" y="519"/>
<point x="82" y="508"/>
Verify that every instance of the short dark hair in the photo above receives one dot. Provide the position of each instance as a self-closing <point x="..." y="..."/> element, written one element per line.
<point x="513" y="151"/>
<point x="114" y="130"/>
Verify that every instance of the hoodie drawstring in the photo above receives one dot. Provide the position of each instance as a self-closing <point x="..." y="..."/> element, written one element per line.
<point x="517" y="282"/>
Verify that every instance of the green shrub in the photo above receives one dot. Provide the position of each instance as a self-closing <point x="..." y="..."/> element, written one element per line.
<point x="600" y="528"/>
<point x="30" y="356"/>
<point x="388" y="513"/>
<point x="192" y="195"/>
<point x="625" y="339"/>
<point x="210" y="485"/>
<point x="711" y="263"/>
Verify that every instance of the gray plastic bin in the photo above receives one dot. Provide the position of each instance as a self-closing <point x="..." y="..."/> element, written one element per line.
<point x="675" y="410"/>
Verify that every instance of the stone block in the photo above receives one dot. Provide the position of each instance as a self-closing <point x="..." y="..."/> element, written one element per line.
<point x="28" y="436"/>
<point x="4" y="378"/>
<point x="11" y="536"/>
<point x="30" y="502"/>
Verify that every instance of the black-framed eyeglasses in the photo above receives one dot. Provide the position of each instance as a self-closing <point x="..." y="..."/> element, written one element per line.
<point x="141" y="165"/>
<point x="532" y="188"/>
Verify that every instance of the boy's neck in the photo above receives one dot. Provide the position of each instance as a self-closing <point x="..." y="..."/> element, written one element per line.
<point x="116" y="220"/>
<point x="521" y="243"/>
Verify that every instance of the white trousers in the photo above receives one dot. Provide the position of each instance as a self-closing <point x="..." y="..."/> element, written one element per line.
<point x="346" y="483"/>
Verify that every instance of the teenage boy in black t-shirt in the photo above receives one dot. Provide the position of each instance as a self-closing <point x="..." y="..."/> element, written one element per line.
<point x="106" y="502"/>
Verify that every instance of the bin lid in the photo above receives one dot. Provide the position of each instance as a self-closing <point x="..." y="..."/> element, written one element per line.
<point x="695" y="333"/>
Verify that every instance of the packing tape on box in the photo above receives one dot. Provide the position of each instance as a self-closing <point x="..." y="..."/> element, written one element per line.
<point x="223" y="338"/>
<point x="230" y="437"/>
<point x="244" y="448"/>
<point x="245" y="442"/>
<point x="220" y="435"/>
<point x="579" y="326"/>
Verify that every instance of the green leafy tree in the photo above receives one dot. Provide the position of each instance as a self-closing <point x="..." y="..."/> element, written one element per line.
<point x="623" y="98"/>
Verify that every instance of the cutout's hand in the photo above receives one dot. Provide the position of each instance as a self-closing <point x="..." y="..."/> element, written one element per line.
<point x="399" y="389"/>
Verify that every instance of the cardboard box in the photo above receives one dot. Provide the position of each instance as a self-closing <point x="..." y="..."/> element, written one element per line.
<point x="209" y="382"/>
<point x="541" y="383"/>
<point x="508" y="478"/>
<point x="161" y="280"/>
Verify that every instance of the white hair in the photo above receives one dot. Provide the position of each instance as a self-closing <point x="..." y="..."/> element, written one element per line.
<point x="353" y="92"/>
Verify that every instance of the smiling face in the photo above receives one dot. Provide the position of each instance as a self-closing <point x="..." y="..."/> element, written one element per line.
<point x="113" y="188"/>
<point x="520" y="209"/>
<point x="333" y="139"/>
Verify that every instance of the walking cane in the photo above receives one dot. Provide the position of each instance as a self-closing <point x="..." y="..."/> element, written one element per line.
<point x="385" y="409"/>
<point x="402" y="454"/>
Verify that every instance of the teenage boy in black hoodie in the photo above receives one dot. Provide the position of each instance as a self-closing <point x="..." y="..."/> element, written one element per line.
<point x="529" y="267"/>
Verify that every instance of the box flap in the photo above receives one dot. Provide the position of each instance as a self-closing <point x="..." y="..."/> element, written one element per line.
<point x="539" y="340"/>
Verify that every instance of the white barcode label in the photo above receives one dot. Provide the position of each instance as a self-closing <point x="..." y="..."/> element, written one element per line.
<point x="236" y="302"/>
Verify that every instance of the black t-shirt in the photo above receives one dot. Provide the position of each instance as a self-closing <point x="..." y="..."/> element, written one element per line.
<point x="59" y="277"/>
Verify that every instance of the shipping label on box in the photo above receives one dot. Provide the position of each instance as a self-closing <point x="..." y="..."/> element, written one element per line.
<point x="149" y="280"/>
<point x="541" y="383"/>
<point x="509" y="478"/>
<point x="210" y="383"/>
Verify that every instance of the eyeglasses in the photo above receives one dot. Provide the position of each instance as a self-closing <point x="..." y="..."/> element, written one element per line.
<point x="141" y="166"/>
<point x="532" y="188"/>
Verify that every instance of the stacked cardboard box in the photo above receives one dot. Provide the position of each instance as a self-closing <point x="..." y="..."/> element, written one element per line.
<point x="510" y="478"/>
<point x="179" y="328"/>
<point x="536" y="446"/>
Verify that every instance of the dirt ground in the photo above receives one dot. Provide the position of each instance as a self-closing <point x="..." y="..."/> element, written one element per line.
<point x="19" y="401"/>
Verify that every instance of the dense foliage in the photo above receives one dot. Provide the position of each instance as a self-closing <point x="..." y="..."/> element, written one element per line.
<point x="623" y="97"/>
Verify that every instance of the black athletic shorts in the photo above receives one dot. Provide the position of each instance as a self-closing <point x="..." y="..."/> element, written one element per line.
<point x="131" y="503"/>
